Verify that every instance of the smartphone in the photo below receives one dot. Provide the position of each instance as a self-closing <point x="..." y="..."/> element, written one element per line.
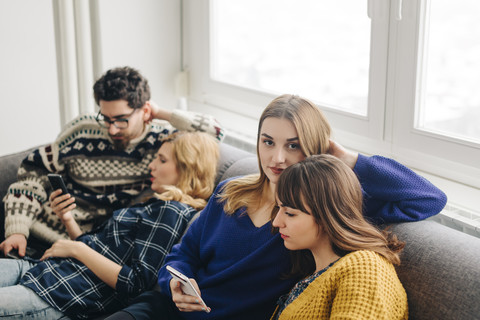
<point x="186" y="285"/>
<point x="56" y="181"/>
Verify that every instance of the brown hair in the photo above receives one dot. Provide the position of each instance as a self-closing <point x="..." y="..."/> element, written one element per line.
<point x="196" y="156"/>
<point x="313" y="132"/>
<point x="332" y="192"/>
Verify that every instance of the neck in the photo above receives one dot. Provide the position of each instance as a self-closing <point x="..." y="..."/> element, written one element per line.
<point x="324" y="255"/>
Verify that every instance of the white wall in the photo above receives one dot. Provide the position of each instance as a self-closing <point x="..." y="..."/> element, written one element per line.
<point x="143" y="34"/>
<point x="28" y="76"/>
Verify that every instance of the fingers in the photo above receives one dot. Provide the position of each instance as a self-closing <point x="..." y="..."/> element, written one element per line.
<point x="184" y="302"/>
<point x="22" y="247"/>
<point x="62" y="204"/>
<point x="15" y="241"/>
<point x="5" y="247"/>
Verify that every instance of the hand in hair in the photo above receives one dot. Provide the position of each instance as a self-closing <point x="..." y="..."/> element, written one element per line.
<point x="157" y="112"/>
<point x="347" y="157"/>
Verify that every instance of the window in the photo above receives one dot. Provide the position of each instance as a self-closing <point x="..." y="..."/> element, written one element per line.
<point x="291" y="48"/>
<point x="451" y="104"/>
<point x="396" y="78"/>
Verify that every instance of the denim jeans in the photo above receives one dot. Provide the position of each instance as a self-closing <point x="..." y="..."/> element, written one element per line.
<point x="17" y="301"/>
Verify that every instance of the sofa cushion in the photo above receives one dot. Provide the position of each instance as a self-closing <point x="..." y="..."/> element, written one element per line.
<point x="440" y="271"/>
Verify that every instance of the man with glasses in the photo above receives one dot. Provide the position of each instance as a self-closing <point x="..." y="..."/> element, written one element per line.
<point x="103" y="159"/>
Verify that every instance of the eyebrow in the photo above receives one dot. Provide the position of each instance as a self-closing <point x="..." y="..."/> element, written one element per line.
<point x="269" y="137"/>
<point x="115" y="117"/>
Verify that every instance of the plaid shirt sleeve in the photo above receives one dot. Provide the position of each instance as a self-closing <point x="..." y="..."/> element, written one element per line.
<point x="159" y="226"/>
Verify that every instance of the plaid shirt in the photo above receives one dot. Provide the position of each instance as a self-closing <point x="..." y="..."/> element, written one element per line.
<point x="137" y="238"/>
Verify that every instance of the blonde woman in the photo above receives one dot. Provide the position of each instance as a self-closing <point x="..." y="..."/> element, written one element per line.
<point x="230" y="253"/>
<point x="346" y="264"/>
<point x="99" y="272"/>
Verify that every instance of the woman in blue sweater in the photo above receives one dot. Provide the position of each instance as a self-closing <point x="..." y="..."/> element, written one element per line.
<point x="101" y="271"/>
<point x="230" y="253"/>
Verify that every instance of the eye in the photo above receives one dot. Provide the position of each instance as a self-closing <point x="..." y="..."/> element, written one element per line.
<point x="289" y="214"/>
<point x="268" y="142"/>
<point x="293" y="146"/>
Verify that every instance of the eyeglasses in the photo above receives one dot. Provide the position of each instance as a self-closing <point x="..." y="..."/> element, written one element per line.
<point x="105" y="122"/>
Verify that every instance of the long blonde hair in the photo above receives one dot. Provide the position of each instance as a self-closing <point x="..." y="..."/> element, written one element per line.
<point x="313" y="132"/>
<point x="332" y="192"/>
<point x="196" y="157"/>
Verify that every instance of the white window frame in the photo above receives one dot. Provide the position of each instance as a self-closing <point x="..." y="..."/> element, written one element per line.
<point x="393" y="94"/>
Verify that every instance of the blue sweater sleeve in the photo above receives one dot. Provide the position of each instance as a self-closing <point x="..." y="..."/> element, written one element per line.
<point x="185" y="256"/>
<point x="393" y="193"/>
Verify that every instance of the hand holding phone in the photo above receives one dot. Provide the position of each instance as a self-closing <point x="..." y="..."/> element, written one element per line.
<point x="187" y="286"/>
<point x="61" y="204"/>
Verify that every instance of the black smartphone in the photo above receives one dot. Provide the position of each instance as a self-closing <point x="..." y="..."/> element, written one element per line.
<point x="56" y="181"/>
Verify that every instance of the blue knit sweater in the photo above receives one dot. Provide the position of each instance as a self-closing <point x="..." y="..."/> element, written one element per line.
<point x="238" y="266"/>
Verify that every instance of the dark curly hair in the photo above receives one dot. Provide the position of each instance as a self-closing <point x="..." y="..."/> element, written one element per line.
<point x="122" y="83"/>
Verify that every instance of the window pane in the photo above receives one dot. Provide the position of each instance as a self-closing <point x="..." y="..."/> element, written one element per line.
<point x="452" y="97"/>
<point x="317" y="49"/>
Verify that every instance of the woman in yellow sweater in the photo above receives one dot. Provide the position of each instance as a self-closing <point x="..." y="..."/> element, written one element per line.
<point x="345" y="262"/>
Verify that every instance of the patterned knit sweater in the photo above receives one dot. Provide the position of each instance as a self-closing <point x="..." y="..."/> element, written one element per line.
<point x="361" y="285"/>
<point x="100" y="178"/>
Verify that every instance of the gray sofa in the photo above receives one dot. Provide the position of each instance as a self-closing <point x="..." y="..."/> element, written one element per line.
<point x="440" y="266"/>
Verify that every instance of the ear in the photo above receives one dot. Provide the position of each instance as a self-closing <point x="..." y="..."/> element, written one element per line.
<point x="147" y="112"/>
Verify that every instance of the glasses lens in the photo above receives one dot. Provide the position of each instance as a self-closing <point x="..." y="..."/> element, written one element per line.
<point x="121" y="123"/>
<point x="102" y="122"/>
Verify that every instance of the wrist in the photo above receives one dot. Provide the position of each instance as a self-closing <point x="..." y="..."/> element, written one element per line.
<point x="79" y="250"/>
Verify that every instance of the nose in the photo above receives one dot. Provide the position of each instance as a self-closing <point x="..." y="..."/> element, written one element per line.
<point x="279" y="155"/>
<point x="150" y="165"/>
<point x="278" y="221"/>
<point x="112" y="130"/>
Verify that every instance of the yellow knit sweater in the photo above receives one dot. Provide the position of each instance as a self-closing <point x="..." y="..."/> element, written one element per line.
<point x="361" y="285"/>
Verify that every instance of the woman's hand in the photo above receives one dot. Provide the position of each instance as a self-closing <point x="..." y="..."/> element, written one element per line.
<point x="184" y="302"/>
<point x="348" y="157"/>
<point x="62" y="249"/>
<point x="62" y="205"/>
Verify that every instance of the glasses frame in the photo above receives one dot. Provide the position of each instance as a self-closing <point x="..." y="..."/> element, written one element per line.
<point x="105" y="122"/>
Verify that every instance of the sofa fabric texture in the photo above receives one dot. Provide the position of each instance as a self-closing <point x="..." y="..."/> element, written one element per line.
<point x="440" y="268"/>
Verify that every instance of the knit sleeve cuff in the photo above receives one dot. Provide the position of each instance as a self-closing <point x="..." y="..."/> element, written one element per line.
<point x="17" y="224"/>
<point x="192" y="121"/>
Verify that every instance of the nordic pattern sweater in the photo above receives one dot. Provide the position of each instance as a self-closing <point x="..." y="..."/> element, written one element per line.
<point x="100" y="178"/>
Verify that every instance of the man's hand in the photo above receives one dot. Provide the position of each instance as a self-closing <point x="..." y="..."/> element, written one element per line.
<point x="16" y="241"/>
<point x="157" y="112"/>
<point x="348" y="157"/>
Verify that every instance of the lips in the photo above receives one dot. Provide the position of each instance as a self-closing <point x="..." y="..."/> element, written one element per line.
<point x="283" y="236"/>
<point x="152" y="179"/>
<point x="276" y="170"/>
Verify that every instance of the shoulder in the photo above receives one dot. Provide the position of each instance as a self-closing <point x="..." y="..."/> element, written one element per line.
<point x="83" y="126"/>
<point x="155" y="210"/>
<point x="364" y="266"/>
<point x="364" y="257"/>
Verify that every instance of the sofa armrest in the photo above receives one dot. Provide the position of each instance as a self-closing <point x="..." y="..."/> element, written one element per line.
<point x="440" y="271"/>
<point x="9" y="165"/>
